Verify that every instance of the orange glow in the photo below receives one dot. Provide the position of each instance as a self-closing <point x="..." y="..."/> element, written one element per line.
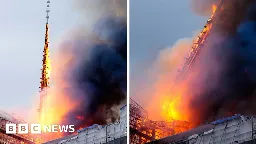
<point x="170" y="108"/>
<point x="175" y="105"/>
<point x="214" y="8"/>
<point x="48" y="65"/>
<point x="47" y="54"/>
<point x="79" y="117"/>
<point x="169" y="102"/>
<point x="57" y="105"/>
<point x="56" y="102"/>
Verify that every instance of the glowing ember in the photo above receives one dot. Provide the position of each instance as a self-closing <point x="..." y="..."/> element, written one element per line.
<point x="80" y="117"/>
<point x="214" y="8"/>
<point x="171" y="109"/>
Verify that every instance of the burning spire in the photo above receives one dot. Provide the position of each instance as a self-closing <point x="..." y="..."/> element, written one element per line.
<point x="170" y="107"/>
<point x="197" y="45"/>
<point x="44" y="80"/>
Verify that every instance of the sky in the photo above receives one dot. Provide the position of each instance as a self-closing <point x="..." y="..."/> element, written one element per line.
<point x="154" y="26"/>
<point x="22" y="42"/>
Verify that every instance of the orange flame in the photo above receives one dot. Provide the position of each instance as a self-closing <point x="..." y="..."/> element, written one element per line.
<point x="214" y="8"/>
<point x="48" y="65"/>
<point x="56" y="103"/>
<point x="171" y="109"/>
<point x="176" y="107"/>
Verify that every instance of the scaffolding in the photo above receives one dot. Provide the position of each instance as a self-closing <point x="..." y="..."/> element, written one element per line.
<point x="143" y="130"/>
<point x="45" y="76"/>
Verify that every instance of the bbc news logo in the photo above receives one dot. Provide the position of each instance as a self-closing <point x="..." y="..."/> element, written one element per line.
<point x="37" y="128"/>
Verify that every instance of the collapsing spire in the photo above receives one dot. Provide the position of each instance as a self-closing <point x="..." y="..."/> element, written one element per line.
<point x="45" y="75"/>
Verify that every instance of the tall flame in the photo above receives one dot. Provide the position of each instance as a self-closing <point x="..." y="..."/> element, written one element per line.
<point x="47" y="55"/>
<point x="45" y="77"/>
<point x="174" y="108"/>
<point x="56" y="102"/>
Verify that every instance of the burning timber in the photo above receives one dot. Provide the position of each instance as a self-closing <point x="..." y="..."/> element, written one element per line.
<point x="115" y="133"/>
<point x="235" y="129"/>
<point x="143" y="130"/>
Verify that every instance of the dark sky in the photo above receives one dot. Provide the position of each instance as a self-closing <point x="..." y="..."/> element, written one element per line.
<point x="155" y="25"/>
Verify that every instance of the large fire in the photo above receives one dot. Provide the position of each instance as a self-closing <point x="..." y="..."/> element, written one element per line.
<point x="172" y="108"/>
<point x="211" y="84"/>
<point x="169" y="106"/>
<point x="175" y="108"/>
<point x="56" y="103"/>
<point x="47" y="55"/>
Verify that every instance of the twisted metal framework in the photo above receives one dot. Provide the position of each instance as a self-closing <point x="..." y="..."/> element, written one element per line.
<point x="143" y="130"/>
<point x="44" y="84"/>
<point x="45" y="76"/>
<point x="197" y="46"/>
<point x="225" y="19"/>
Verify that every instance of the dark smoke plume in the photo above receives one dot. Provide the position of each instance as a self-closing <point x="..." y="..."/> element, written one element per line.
<point x="222" y="81"/>
<point x="95" y="76"/>
<point x="99" y="78"/>
<point x="225" y="79"/>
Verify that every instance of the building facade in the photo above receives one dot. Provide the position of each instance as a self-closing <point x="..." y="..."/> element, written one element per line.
<point x="115" y="133"/>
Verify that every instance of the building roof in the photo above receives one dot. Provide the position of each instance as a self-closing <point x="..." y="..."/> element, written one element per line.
<point x="198" y="130"/>
<point x="225" y="119"/>
<point x="185" y="135"/>
<point x="61" y="140"/>
<point x="10" y="117"/>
